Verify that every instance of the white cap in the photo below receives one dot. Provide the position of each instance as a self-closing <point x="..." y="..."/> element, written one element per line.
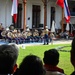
<point x="46" y="26"/>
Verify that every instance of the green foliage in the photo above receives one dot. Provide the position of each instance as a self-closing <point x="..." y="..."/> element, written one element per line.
<point x="39" y="51"/>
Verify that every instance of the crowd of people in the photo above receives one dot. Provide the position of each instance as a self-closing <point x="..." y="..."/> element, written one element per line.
<point x="32" y="64"/>
<point x="10" y="34"/>
<point x="25" y="36"/>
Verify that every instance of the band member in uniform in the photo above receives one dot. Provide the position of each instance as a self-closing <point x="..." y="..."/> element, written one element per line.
<point x="46" y="37"/>
<point x="15" y="37"/>
<point x="28" y="35"/>
<point x="36" y="35"/>
<point x="20" y="36"/>
<point x="9" y="36"/>
<point x="42" y="35"/>
<point x="3" y="34"/>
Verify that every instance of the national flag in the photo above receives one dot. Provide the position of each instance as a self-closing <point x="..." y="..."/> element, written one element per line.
<point x="14" y="10"/>
<point x="60" y="3"/>
<point x="66" y="11"/>
<point x="63" y="4"/>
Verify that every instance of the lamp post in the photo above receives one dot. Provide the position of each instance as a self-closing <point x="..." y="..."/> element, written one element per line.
<point x="6" y="3"/>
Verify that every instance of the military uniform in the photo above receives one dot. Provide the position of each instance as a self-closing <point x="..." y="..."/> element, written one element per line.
<point x="36" y="36"/>
<point x="20" y="36"/>
<point x="15" y="37"/>
<point x="28" y="35"/>
<point x="46" y="37"/>
<point x="3" y="34"/>
<point x="9" y="36"/>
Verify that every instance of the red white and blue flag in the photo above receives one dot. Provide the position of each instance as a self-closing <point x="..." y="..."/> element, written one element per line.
<point x="64" y="4"/>
<point x="66" y="11"/>
<point x="60" y="3"/>
<point x="14" y="10"/>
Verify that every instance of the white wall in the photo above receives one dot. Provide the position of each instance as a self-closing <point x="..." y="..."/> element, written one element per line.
<point x="72" y="20"/>
<point x="5" y="12"/>
<point x="29" y="11"/>
<point x="39" y="2"/>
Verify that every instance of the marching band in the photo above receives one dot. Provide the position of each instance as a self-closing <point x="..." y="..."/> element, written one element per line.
<point x="25" y="36"/>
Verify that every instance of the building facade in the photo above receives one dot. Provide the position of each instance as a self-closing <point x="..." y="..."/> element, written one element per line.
<point x="32" y="13"/>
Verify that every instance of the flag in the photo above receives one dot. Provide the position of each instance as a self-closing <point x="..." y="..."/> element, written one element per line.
<point x="14" y="10"/>
<point x="66" y="11"/>
<point x="60" y="3"/>
<point x="63" y="4"/>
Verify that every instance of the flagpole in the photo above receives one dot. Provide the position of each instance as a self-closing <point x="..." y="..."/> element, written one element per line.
<point x="6" y="13"/>
<point x="62" y="24"/>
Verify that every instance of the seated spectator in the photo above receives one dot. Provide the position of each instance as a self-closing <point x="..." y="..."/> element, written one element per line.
<point x="73" y="55"/>
<point x="51" y="60"/>
<point x="31" y="65"/>
<point x="8" y="58"/>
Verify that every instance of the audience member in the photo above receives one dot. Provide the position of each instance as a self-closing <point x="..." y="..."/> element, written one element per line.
<point x="73" y="55"/>
<point x="8" y="57"/>
<point x="31" y="65"/>
<point x="51" y="60"/>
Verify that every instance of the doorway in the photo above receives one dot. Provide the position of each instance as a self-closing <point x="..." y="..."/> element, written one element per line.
<point x="52" y="15"/>
<point x="35" y="16"/>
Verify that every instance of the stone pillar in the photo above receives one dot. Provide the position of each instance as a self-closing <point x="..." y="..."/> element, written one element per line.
<point x="62" y="22"/>
<point x="45" y="13"/>
<point x="24" y="22"/>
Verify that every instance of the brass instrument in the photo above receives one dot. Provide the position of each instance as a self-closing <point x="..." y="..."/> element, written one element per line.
<point x="28" y="33"/>
<point x="9" y="34"/>
<point x="3" y="33"/>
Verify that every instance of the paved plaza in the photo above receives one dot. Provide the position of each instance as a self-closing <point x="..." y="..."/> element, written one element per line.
<point x="61" y="41"/>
